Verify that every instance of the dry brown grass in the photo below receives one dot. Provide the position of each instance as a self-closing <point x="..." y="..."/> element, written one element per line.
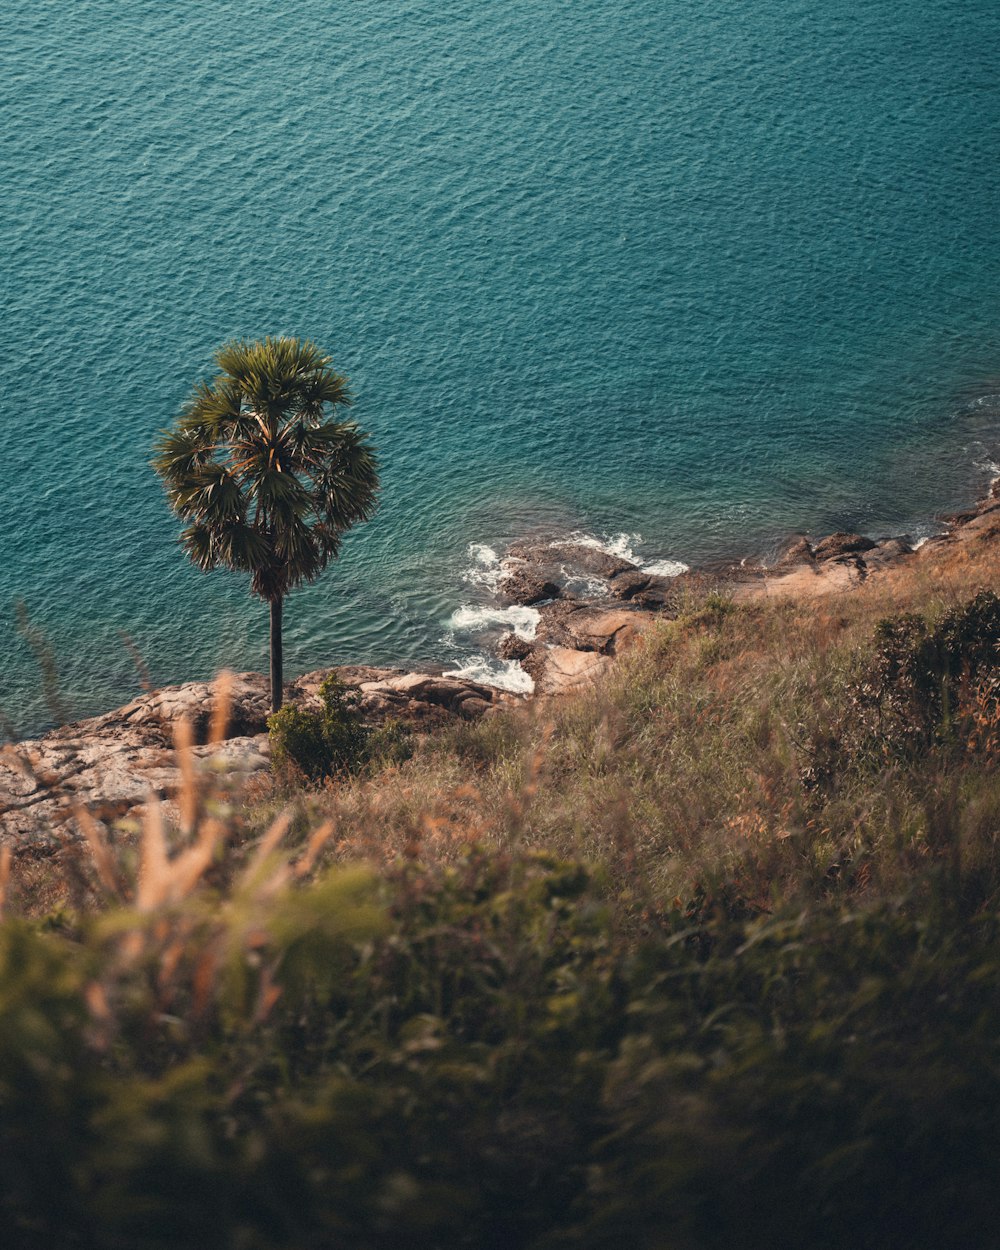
<point x="685" y="764"/>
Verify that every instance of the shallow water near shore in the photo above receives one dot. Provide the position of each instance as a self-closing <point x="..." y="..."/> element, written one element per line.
<point x="691" y="280"/>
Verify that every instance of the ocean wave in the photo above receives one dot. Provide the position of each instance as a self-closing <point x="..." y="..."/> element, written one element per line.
<point x="486" y="569"/>
<point x="504" y="674"/>
<point x="624" y="546"/>
<point x="988" y="465"/>
<point x="469" y="619"/>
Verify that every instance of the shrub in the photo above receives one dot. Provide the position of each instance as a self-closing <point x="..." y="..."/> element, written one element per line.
<point x="916" y="683"/>
<point x="334" y="738"/>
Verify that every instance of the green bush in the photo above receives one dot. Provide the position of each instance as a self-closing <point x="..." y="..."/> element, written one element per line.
<point x="913" y="690"/>
<point x="333" y="738"/>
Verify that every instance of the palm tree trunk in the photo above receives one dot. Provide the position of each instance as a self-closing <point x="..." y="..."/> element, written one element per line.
<point x="276" y="691"/>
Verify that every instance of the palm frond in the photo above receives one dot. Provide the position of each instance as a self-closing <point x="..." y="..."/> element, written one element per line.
<point x="212" y="408"/>
<point x="180" y="453"/>
<point x="348" y="482"/>
<point x="211" y="495"/>
<point x="241" y="547"/>
<point x="197" y="542"/>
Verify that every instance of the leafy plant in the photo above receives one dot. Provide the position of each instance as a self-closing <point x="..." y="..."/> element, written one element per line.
<point x="915" y="688"/>
<point x="333" y="738"/>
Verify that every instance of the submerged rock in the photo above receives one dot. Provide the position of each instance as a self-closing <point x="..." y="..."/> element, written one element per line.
<point x="570" y="559"/>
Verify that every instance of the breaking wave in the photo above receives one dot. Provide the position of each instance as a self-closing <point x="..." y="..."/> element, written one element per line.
<point x="624" y="546"/>
<point x="504" y="674"/>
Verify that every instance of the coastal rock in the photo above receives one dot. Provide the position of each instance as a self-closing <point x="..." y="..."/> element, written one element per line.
<point x="473" y="707"/>
<point x="249" y="706"/>
<point x="570" y="559"/>
<point x="799" y="551"/>
<point x="566" y="670"/>
<point x="575" y="644"/>
<point x="583" y="561"/>
<point x="449" y="692"/>
<point x="888" y="551"/>
<point x="513" y="647"/>
<point x="627" y="584"/>
<point x="590" y="628"/>
<point x="524" y="585"/>
<point x="421" y="700"/>
<point x="836" y="546"/>
<point x="803" y="581"/>
<point x="957" y="519"/>
<point x="110" y="770"/>
<point x="985" y="524"/>
<point x="111" y="764"/>
<point x="660" y="594"/>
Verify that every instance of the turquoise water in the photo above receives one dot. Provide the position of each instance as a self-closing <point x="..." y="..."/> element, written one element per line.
<point x="698" y="274"/>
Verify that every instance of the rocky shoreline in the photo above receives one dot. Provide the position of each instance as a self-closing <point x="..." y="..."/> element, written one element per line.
<point x="579" y="633"/>
<point x="591" y="605"/>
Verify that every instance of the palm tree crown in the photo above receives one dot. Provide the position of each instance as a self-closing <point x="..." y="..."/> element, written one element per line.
<point x="265" y="477"/>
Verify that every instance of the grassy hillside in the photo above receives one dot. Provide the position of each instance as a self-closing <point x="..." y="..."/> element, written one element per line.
<point x="764" y="747"/>
<point x="707" y="957"/>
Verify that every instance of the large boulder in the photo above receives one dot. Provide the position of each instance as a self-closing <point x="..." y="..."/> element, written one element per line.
<point x="155" y="711"/>
<point x="576" y="644"/>
<point x="110" y="770"/>
<point x="513" y="647"/>
<point x="836" y="546"/>
<point x="527" y="586"/>
<point x="591" y="628"/>
<point x="565" y="670"/>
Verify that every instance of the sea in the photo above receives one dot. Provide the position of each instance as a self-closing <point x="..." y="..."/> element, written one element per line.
<point x="679" y="279"/>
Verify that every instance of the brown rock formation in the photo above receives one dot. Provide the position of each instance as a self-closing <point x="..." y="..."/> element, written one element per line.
<point x="111" y="764"/>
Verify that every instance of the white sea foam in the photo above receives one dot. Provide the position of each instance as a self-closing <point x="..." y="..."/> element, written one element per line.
<point x="584" y="586"/>
<point x="485" y="569"/>
<point x="484" y="573"/>
<point x="990" y="466"/>
<point x="505" y="674"/>
<point x="665" y="568"/>
<point x="473" y="620"/>
<point x="624" y="546"/>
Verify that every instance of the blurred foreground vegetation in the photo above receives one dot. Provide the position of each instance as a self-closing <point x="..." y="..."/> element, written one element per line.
<point x="708" y="957"/>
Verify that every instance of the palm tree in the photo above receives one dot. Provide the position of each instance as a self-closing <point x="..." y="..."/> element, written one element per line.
<point x="267" y="479"/>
